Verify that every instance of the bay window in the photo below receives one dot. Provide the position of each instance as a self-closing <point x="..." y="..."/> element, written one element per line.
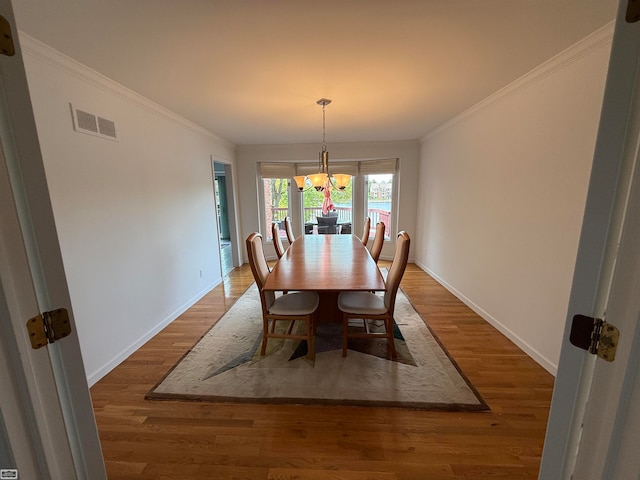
<point x="371" y="192"/>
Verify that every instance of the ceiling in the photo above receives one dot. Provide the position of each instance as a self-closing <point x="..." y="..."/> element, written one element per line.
<point x="252" y="70"/>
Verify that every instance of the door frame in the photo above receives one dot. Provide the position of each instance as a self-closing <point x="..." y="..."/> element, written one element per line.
<point x="605" y="219"/>
<point x="232" y="211"/>
<point x="48" y="406"/>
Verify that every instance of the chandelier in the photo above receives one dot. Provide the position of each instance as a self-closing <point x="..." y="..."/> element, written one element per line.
<point x="323" y="179"/>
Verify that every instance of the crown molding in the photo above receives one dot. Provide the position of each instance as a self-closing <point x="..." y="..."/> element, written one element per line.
<point x="36" y="49"/>
<point x="592" y="42"/>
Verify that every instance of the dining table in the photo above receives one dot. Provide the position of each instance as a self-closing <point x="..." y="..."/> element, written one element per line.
<point x="327" y="264"/>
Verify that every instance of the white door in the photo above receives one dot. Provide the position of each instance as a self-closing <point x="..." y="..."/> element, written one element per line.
<point x="611" y="431"/>
<point x="45" y="404"/>
<point x="594" y="423"/>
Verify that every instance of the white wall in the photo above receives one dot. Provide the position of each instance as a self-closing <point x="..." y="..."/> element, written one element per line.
<point x="406" y="151"/>
<point x="503" y="193"/>
<point x="135" y="218"/>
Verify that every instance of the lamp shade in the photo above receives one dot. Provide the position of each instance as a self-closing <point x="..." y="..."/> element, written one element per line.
<point x="318" y="180"/>
<point x="342" y="180"/>
<point x="300" y="179"/>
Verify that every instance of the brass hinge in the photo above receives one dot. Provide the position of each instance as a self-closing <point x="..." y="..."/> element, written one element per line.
<point x="595" y="336"/>
<point x="633" y="11"/>
<point x="6" y="38"/>
<point x="48" y="327"/>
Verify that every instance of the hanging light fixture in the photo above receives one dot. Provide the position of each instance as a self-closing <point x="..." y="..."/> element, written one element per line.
<point x="323" y="179"/>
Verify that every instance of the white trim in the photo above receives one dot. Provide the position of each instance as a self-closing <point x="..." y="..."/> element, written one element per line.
<point x="597" y="39"/>
<point x="507" y="332"/>
<point x="95" y="376"/>
<point x="36" y="49"/>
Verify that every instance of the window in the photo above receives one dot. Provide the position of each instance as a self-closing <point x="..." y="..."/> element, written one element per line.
<point x="342" y="201"/>
<point x="276" y="196"/>
<point x="379" y="201"/>
<point x="275" y="188"/>
<point x="312" y="201"/>
<point x="379" y="193"/>
<point x="372" y="182"/>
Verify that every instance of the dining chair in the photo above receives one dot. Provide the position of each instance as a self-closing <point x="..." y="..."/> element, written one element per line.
<point x="369" y="306"/>
<point x="277" y="241"/>
<point x="365" y="233"/>
<point x="288" y="228"/>
<point x="296" y="306"/>
<point x="378" y="242"/>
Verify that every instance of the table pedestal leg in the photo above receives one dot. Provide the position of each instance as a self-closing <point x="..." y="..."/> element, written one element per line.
<point x="328" y="311"/>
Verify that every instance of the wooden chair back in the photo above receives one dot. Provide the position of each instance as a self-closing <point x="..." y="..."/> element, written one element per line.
<point x="378" y="242"/>
<point x="277" y="241"/>
<point x="289" y="229"/>
<point x="365" y="233"/>
<point x="396" y="271"/>
<point x="259" y="268"/>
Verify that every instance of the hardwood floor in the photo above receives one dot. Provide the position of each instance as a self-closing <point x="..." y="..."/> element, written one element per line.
<point x="144" y="439"/>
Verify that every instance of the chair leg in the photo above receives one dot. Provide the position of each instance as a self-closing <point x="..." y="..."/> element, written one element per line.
<point x="390" y="340"/>
<point x="265" y="335"/>
<point x="345" y="331"/>
<point x="311" y="354"/>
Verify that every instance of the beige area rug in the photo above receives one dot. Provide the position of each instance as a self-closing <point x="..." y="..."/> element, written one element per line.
<point x="226" y="366"/>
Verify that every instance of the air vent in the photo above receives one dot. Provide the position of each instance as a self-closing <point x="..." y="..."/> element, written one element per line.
<point x="91" y="124"/>
<point x="86" y="121"/>
<point x="106" y="127"/>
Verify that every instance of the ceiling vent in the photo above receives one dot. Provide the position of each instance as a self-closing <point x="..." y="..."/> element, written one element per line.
<point x="92" y="124"/>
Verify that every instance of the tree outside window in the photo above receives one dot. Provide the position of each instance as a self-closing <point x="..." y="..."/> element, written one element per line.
<point x="276" y="192"/>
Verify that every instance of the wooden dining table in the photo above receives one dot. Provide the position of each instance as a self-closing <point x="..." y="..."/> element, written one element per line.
<point x="327" y="264"/>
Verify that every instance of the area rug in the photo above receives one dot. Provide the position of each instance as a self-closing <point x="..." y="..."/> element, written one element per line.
<point x="226" y="366"/>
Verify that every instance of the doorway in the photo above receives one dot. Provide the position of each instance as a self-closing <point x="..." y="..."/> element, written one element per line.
<point x="223" y="188"/>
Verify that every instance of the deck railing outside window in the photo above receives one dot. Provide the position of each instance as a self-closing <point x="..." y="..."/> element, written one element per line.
<point x="344" y="215"/>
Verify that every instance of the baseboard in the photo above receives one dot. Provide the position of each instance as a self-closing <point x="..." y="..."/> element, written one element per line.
<point x="96" y="376"/>
<point x="507" y="332"/>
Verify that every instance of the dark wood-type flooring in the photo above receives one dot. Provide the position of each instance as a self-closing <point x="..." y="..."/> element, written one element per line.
<point x="143" y="439"/>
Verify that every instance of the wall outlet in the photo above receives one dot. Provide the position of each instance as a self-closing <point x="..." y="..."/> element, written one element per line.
<point x="201" y="273"/>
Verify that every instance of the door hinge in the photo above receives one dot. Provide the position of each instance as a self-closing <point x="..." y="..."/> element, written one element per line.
<point x="595" y="336"/>
<point x="6" y="38"/>
<point x="48" y="327"/>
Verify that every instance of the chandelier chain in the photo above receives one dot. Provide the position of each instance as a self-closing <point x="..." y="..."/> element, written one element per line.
<point x="323" y="179"/>
<point x="324" y="147"/>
